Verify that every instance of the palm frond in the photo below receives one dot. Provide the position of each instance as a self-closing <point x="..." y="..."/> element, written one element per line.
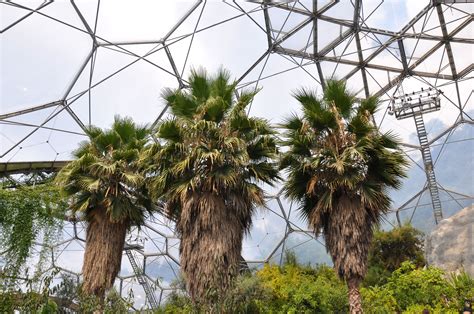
<point x="107" y="141"/>
<point x="293" y="123"/>
<point x="170" y="130"/>
<point x="337" y="94"/>
<point x="93" y="131"/>
<point x="199" y="84"/>
<point x="360" y="126"/>
<point x="181" y="104"/>
<point x="221" y="86"/>
<point x="369" y="105"/>
<point x="214" y="109"/>
<point x="134" y="180"/>
<point x="109" y="166"/>
<point x="244" y="99"/>
<point x="124" y="127"/>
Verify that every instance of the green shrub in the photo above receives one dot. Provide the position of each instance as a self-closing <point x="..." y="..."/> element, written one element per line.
<point x="463" y="286"/>
<point x="297" y="289"/>
<point x="378" y="300"/>
<point x="390" y="249"/>
<point x="411" y="285"/>
<point x="289" y="289"/>
<point x="294" y="288"/>
<point x="411" y="290"/>
<point x="417" y="309"/>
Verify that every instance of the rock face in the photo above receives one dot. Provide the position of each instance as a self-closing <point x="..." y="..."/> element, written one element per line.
<point x="450" y="246"/>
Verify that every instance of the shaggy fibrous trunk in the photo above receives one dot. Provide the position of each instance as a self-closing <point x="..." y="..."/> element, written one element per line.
<point x="211" y="243"/>
<point x="355" y="300"/>
<point x="348" y="236"/>
<point x="103" y="254"/>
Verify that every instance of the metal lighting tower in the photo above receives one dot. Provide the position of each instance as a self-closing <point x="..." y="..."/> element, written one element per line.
<point x="414" y="105"/>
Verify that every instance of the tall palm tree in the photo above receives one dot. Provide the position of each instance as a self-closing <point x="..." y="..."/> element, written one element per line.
<point x="339" y="169"/>
<point x="106" y="184"/>
<point x="213" y="158"/>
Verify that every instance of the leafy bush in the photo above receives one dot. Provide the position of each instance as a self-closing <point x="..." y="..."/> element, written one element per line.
<point x="63" y="298"/>
<point x="30" y="301"/>
<point x="289" y="289"/>
<point x="390" y="249"/>
<point x="28" y="213"/>
<point x="417" y="309"/>
<point x="294" y="288"/>
<point x="378" y="300"/>
<point x="411" y="285"/>
<point x="113" y="303"/>
<point x="246" y="296"/>
<point x="463" y="285"/>
<point x="414" y="289"/>
<point x="297" y="289"/>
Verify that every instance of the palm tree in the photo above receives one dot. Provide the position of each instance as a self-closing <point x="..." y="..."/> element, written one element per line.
<point x="106" y="184"/>
<point x="339" y="169"/>
<point x="213" y="158"/>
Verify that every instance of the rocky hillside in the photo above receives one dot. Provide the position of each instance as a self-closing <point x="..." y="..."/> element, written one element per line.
<point x="450" y="245"/>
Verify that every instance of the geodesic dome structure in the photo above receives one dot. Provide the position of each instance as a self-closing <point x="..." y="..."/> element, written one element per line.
<point x="69" y="64"/>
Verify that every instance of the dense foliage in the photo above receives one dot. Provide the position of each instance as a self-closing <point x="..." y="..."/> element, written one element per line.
<point x="294" y="288"/>
<point x="389" y="249"/>
<point x="207" y="168"/>
<point x="65" y="297"/>
<point x="28" y="214"/>
<point x="410" y="288"/>
<point x="298" y="289"/>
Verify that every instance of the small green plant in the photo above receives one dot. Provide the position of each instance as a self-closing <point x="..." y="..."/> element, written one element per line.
<point x="31" y="300"/>
<point x="28" y="213"/>
<point x="295" y="288"/>
<point x="292" y="288"/>
<point x="389" y="249"/>
<point x="378" y="300"/>
<point x="410" y="290"/>
<point x="463" y="285"/>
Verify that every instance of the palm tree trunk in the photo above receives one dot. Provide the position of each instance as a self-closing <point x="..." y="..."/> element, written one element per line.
<point x="355" y="300"/>
<point x="210" y="248"/>
<point x="103" y="254"/>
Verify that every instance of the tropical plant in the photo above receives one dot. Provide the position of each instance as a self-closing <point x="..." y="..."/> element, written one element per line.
<point x="290" y="288"/>
<point x="413" y="289"/>
<point x="28" y="213"/>
<point x="302" y="289"/>
<point x="339" y="169"/>
<point x="29" y="301"/>
<point x="213" y="158"/>
<point x="112" y="303"/>
<point x="463" y="285"/>
<point x="106" y="185"/>
<point x="62" y="298"/>
<point x="389" y="249"/>
<point x="296" y="288"/>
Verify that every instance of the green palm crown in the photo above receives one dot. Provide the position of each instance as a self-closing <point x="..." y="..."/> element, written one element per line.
<point x="106" y="173"/>
<point x="339" y="169"/>
<point x="211" y="146"/>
